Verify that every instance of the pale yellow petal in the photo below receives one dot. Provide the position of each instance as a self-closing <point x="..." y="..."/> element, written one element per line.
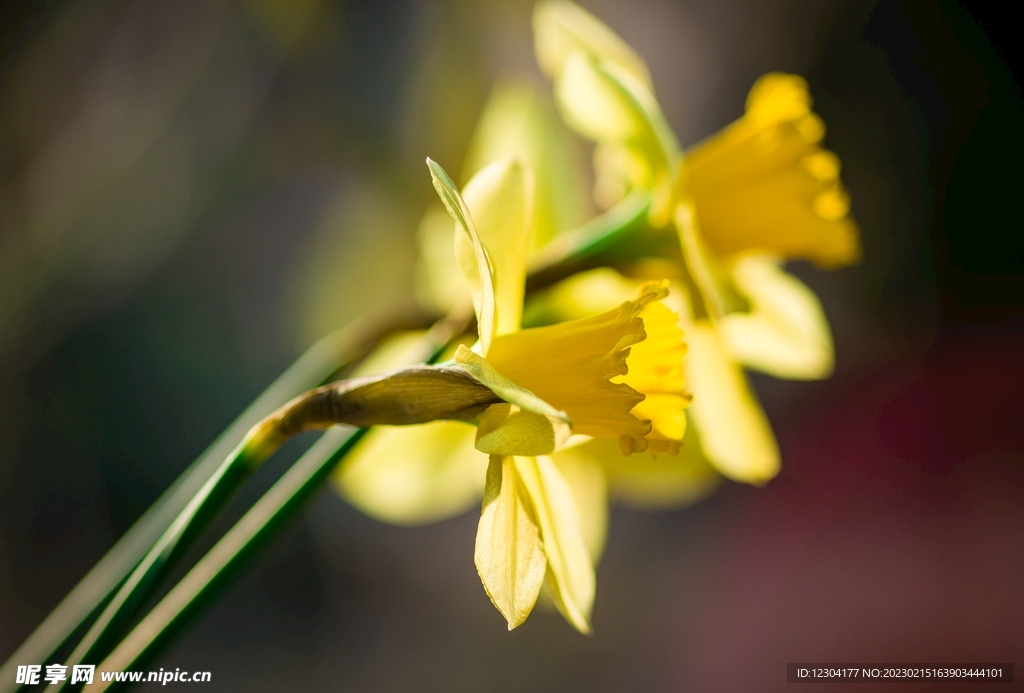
<point x="570" y="571"/>
<point x="507" y="429"/>
<point x="500" y="199"/>
<point x="785" y="333"/>
<point x="509" y="554"/>
<point x="519" y="122"/>
<point x="476" y="266"/>
<point x="734" y="432"/>
<point x="526" y="426"/>
<point x="413" y="474"/>
<point x="598" y="105"/>
<point x="604" y="103"/>
<point x="563" y="28"/>
<point x="589" y="488"/>
<point x="701" y="267"/>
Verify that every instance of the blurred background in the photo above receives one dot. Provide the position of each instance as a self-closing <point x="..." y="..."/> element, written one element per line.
<point x="192" y="192"/>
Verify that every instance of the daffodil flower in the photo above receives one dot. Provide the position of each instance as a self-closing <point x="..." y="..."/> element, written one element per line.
<point x="592" y="377"/>
<point x="597" y="471"/>
<point x="760" y="192"/>
<point x="420" y="474"/>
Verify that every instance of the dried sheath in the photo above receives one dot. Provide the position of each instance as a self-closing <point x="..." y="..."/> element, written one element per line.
<point x="408" y="396"/>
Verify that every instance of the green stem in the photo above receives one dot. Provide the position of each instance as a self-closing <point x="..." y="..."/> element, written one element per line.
<point x="313" y="368"/>
<point x="280" y="502"/>
<point x="261" y="441"/>
<point x="200" y="510"/>
<point x="230" y="554"/>
<point x="596" y="235"/>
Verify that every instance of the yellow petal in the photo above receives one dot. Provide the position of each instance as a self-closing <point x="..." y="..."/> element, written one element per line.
<point x="598" y="105"/>
<point x="500" y="199"/>
<point x="486" y="374"/>
<point x="734" y="431"/>
<point x="509" y="554"/>
<point x="589" y="489"/>
<point x="655" y="365"/>
<point x="604" y="103"/>
<point x="650" y="483"/>
<point x="785" y="333"/>
<point x="656" y="371"/>
<point x="764" y="183"/>
<point x="413" y="474"/>
<point x="570" y="366"/>
<point x="477" y="267"/>
<point x="518" y="122"/>
<point x="507" y="429"/>
<point x="700" y="265"/>
<point x="570" y="571"/>
<point x="778" y="98"/>
<point x="563" y="28"/>
<point x="604" y="100"/>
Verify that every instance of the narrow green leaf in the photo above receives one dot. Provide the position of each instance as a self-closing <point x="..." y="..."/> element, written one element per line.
<point x="278" y="503"/>
<point x="312" y="369"/>
<point x="162" y="555"/>
<point x="230" y="554"/>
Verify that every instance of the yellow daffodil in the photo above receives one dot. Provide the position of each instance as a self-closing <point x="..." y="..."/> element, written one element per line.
<point x="555" y="381"/>
<point x="760" y="192"/>
<point x="419" y="474"/>
<point x="597" y="471"/>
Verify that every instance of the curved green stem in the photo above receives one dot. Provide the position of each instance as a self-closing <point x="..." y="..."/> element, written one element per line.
<point x="229" y="555"/>
<point x="596" y="235"/>
<point x="259" y="443"/>
<point x="247" y="456"/>
<point x="248" y="534"/>
<point x="313" y="368"/>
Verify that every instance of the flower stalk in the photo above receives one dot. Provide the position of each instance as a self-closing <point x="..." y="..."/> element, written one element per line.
<point x="227" y="558"/>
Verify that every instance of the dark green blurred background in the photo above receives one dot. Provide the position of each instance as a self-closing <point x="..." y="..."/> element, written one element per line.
<point x="192" y="192"/>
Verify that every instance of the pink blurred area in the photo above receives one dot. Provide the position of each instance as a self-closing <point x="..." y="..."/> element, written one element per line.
<point x="894" y="534"/>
